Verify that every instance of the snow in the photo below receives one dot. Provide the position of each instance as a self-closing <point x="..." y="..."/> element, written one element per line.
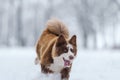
<point x="18" y="64"/>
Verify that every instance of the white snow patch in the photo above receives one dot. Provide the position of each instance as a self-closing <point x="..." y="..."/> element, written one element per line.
<point x="18" y="64"/>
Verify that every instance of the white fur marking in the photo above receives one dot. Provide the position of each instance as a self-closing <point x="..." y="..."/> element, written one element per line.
<point x="59" y="62"/>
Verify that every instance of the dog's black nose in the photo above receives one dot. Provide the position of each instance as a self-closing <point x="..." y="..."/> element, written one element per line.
<point x="71" y="57"/>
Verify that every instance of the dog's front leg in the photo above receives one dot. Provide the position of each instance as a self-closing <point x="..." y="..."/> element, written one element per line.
<point x="65" y="74"/>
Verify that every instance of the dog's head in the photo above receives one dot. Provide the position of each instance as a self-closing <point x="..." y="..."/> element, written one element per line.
<point x="64" y="51"/>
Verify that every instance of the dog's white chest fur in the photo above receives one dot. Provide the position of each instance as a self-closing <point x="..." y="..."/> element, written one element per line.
<point x="58" y="65"/>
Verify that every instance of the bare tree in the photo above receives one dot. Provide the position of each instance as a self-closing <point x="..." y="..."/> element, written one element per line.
<point x="19" y="16"/>
<point x="1" y="26"/>
<point x="10" y="21"/>
<point x="49" y="10"/>
<point x="117" y="3"/>
<point x="37" y="6"/>
<point x="83" y="15"/>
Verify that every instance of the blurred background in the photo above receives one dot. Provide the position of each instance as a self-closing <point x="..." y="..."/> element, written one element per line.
<point x="95" y="22"/>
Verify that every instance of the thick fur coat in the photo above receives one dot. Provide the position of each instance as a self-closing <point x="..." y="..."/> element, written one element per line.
<point x="56" y="50"/>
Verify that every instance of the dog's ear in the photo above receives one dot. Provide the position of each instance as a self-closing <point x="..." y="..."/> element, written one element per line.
<point x="61" y="41"/>
<point x="73" y="40"/>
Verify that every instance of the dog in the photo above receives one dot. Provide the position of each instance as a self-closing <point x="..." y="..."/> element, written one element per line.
<point x="56" y="50"/>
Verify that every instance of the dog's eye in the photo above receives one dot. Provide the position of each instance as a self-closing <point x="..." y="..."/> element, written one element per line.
<point x="72" y="50"/>
<point x="65" y="50"/>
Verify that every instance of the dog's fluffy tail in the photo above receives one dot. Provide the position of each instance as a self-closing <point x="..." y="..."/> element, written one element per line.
<point x="57" y="27"/>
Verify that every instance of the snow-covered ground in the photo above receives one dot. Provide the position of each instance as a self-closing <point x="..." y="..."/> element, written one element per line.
<point x="18" y="64"/>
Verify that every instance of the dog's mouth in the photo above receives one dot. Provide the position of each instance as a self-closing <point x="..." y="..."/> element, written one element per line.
<point x="67" y="63"/>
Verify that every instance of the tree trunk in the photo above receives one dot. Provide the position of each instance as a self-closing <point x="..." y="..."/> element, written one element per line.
<point x="20" y="39"/>
<point x="85" y="40"/>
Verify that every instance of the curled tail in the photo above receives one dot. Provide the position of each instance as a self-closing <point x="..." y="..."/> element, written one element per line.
<point x="57" y="27"/>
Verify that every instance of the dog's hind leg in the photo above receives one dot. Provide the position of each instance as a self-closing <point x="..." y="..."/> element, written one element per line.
<point x="37" y="60"/>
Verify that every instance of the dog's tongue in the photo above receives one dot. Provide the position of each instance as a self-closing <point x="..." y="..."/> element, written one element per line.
<point x="67" y="63"/>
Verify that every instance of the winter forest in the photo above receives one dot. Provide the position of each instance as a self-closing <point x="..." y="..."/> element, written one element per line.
<point x="95" y="22"/>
